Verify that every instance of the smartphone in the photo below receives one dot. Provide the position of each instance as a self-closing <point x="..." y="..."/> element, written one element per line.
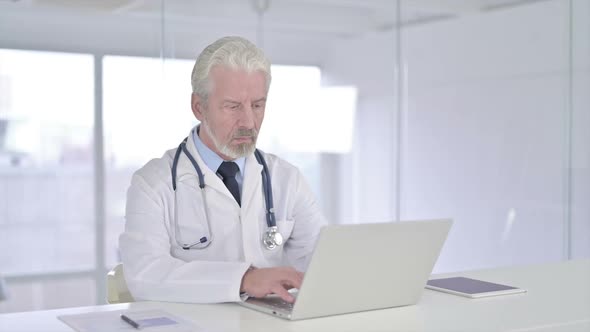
<point x="471" y="288"/>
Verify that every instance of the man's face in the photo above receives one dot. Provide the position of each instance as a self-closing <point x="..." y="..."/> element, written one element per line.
<point x="233" y="113"/>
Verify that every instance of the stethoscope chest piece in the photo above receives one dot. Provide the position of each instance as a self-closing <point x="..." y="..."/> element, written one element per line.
<point x="272" y="238"/>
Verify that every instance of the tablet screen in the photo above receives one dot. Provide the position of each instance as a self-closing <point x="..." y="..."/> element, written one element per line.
<point x="467" y="285"/>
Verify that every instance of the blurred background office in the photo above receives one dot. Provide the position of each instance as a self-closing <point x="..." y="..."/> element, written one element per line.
<point x="478" y="110"/>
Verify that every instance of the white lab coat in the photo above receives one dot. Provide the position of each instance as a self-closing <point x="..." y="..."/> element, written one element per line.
<point x="157" y="269"/>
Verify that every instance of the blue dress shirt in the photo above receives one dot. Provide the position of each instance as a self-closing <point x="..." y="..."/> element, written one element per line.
<point x="213" y="161"/>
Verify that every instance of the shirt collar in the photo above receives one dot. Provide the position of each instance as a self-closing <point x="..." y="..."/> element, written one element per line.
<point x="212" y="159"/>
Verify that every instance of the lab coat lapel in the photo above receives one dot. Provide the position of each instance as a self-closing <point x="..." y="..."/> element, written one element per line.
<point x="252" y="212"/>
<point x="185" y="168"/>
<point x="252" y="183"/>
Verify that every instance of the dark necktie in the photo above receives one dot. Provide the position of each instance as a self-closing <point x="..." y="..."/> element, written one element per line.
<point x="228" y="170"/>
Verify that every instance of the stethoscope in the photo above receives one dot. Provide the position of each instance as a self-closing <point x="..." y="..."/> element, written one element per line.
<point x="271" y="239"/>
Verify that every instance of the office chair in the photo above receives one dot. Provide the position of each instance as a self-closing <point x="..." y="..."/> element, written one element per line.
<point x="117" y="291"/>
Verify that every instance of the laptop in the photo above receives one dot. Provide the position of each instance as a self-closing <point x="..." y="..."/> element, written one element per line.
<point x="363" y="267"/>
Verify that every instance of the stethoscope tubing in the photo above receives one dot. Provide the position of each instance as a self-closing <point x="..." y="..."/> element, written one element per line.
<point x="266" y="184"/>
<point x="268" y="200"/>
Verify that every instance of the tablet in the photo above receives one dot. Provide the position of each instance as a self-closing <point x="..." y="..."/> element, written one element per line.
<point x="471" y="288"/>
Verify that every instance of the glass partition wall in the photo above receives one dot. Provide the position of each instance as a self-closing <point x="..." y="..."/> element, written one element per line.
<point x="393" y="110"/>
<point x="496" y="131"/>
<point x="578" y="123"/>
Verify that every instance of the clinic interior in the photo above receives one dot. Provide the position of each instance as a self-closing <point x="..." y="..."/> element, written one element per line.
<point x="473" y="110"/>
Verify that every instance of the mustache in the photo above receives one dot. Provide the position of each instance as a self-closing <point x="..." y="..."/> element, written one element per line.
<point x="243" y="132"/>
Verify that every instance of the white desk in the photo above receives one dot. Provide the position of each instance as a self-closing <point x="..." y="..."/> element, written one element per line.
<point x="558" y="299"/>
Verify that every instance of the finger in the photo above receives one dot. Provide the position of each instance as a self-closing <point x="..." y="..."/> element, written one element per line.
<point x="283" y="294"/>
<point x="292" y="282"/>
<point x="301" y="275"/>
<point x="289" y="287"/>
<point x="292" y="278"/>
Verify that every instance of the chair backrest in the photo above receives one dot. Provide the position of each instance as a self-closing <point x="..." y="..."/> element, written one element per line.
<point x="117" y="291"/>
<point x="3" y="290"/>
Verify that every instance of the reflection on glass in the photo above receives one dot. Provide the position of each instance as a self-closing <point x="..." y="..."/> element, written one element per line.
<point x="485" y="133"/>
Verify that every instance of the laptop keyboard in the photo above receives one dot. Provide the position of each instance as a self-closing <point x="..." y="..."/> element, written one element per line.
<point x="281" y="304"/>
<point x="273" y="303"/>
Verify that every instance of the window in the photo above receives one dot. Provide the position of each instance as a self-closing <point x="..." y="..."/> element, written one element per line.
<point x="46" y="146"/>
<point x="46" y="175"/>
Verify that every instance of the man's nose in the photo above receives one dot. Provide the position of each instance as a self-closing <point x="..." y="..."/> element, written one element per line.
<point x="247" y="117"/>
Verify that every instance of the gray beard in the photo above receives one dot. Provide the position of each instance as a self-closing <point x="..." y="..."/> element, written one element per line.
<point x="234" y="152"/>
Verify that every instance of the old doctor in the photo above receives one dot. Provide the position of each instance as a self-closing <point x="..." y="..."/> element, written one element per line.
<point x="215" y="217"/>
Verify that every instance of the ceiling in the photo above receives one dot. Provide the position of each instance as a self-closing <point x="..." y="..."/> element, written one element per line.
<point x="340" y="17"/>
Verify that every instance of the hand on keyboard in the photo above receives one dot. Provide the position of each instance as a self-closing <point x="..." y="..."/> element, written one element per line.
<point x="274" y="280"/>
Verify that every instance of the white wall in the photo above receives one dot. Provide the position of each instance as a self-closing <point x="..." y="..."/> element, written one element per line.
<point x="368" y="173"/>
<point x="485" y="132"/>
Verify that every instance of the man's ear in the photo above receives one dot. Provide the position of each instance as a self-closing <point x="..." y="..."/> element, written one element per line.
<point x="197" y="107"/>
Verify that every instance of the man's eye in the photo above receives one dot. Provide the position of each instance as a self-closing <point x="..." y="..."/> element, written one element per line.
<point x="234" y="107"/>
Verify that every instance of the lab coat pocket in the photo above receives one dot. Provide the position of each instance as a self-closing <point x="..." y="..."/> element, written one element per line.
<point x="275" y="257"/>
<point x="191" y="222"/>
<point x="285" y="228"/>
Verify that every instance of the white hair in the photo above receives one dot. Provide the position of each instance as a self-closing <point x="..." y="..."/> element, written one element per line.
<point x="232" y="52"/>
